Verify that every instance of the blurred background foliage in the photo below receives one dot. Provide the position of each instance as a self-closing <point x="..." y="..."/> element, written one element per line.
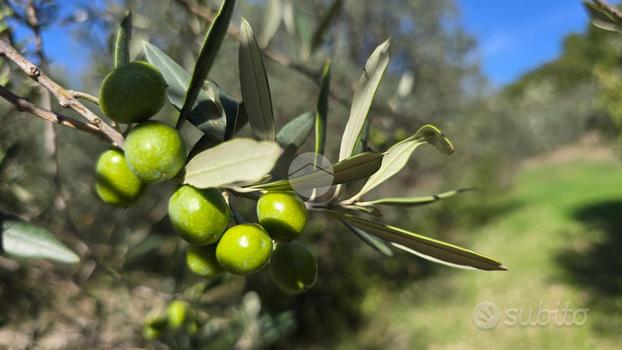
<point x="131" y="260"/>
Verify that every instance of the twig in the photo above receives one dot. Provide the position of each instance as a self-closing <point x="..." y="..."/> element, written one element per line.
<point x="84" y="96"/>
<point x="65" y="99"/>
<point x="23" y="105"/>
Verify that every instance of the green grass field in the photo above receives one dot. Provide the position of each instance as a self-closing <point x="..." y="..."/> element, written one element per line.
<point x="561" y="243"/>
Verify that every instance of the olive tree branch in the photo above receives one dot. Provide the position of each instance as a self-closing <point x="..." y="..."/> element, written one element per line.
<point x="23" y="105"/>
<point x="64" y="97"/>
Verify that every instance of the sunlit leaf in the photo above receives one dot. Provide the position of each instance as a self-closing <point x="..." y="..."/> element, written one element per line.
<point x="372" y="241"/>
<point x="354" y="168"/>
<point x="272" y="22"/>
<point x="363" y="96"/>
<point x="254" y="85"/>
<point x="122" y="41"/>
<point x="398" y="155"/>
<point x="232" y="162"/>
<point x="413" y="201"/>
<point x="425" y="247"/>
<point x="211" y="45"/>
<point x="24" y="240"/>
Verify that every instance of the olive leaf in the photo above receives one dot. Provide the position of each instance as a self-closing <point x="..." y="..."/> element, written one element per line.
<point x="424" y="247"/>
<point x="295" y="133"/>
<point x="236" y="117"/>
<point x="254" y="85"/>
<point x="232" y="162"/>
<point x="348" y="170"/>
<point x="414" y="201"/>
<point x="211" y="45"/>
<point x="321" y="114"/>
<point x="24" y="240"/>
<point x="272" y="21"/>
<point x="363" y="96"/>
<point x="372" y="241"/>
<point x="208" y="114"/>
<point x="122" y="41"/>
<point x="398" y="155"/>
<point x="601" y="17"/>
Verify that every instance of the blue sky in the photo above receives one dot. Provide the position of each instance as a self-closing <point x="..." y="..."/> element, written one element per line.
<point x="513" y="36"/>
<point x="517" y="36"/>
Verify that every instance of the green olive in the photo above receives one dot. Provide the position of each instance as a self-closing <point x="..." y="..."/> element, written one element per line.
<point x="154" y="327"/>
<point x="282" y="214"/>
<point x="133" y="93"/>
<point x="293" y="267"/>
<point x="202" y="261"/>
<point x="176" y="313"/>
<point x="244" y="249"/>
<point x="199" y="216"/>
<point x="155" y="151"/>
<point x="115" y="183"/>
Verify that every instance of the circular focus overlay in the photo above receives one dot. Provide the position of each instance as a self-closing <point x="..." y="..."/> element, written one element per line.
<point x="307" y="185"/>
<point x="486" y="315"/>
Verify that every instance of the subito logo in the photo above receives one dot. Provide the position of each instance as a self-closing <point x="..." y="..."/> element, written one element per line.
<point x="486" y="315"/>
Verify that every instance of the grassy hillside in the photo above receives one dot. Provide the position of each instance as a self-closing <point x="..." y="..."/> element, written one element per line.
<point x="560" y="242"/>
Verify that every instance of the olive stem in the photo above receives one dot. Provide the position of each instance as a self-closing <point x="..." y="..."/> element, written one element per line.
<point x="84" y="96"/>
<point x="64" y="97"/>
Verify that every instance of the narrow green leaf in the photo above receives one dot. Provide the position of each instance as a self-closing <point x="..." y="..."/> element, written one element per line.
<point x="24" y="240"/>
<point x="363" y="97"/>
<point x="321" y="30"/>
<point x="398" y="155"/>
<point x="295" y="133"/>
<point x="232" y="162"/>
<point x="235" y="121"/>
<point x="361" y="145"/>
<point x="272" y="21"/>
<point x="254" y="85"/>
<point x="208" y="113"/>
<point x="122" y="41"/>
<point x="322" y="111"/>
<point x="414" y="201"/>
<point x="372" y="241"/>
<point x="211" y="45"/>
<point x="348" y="170"/>
<point x="425" y="247"/>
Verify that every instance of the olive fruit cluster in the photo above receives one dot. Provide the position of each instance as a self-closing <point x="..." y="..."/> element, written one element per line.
<point x="155" y="152"/>
<point x="201" y="218"/>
